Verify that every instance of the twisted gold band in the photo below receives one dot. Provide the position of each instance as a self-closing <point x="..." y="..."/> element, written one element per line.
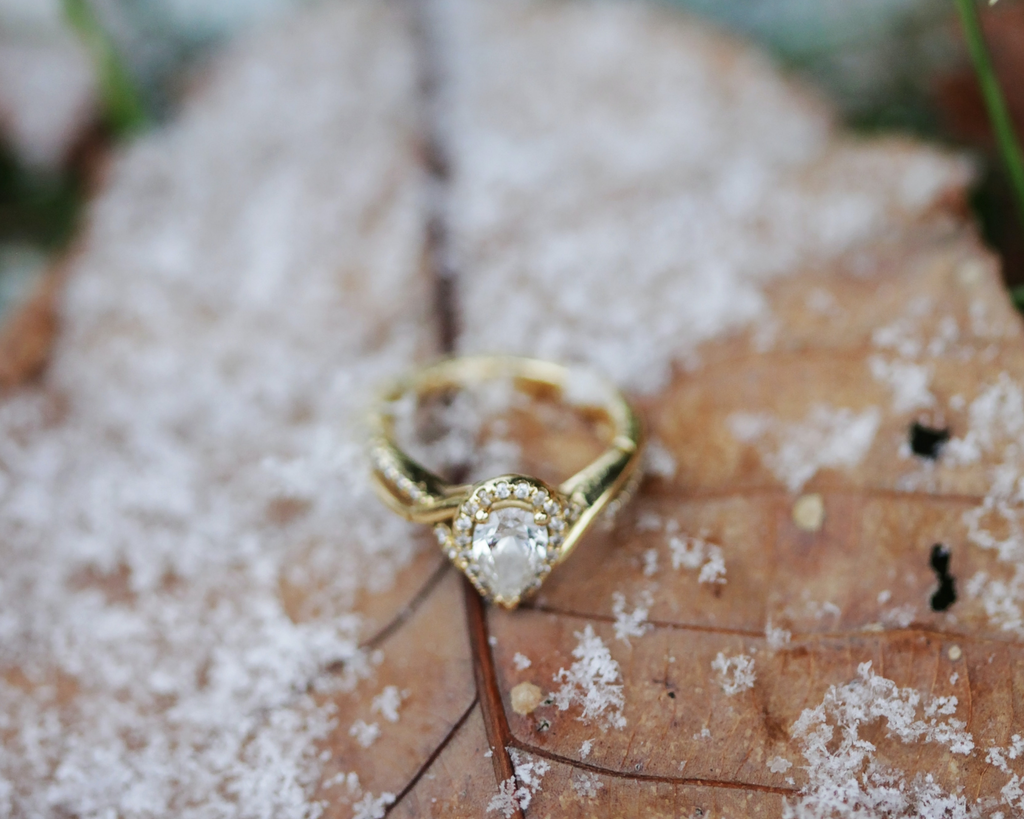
<point x="507" y="533"/>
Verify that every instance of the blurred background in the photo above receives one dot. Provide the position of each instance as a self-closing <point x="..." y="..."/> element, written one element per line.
<point x="79" y="76"/>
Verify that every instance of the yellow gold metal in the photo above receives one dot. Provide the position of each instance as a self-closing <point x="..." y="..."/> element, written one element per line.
<point x="565" y="512"/>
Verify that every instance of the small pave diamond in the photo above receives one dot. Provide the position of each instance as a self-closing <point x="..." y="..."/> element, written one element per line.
<point x="522" y="491"/>
<point x="539" y="497"/>
<point x="502" y="490"/>
<point x="509" y="552"/>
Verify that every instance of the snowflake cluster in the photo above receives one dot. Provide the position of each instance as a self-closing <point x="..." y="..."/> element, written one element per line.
<point x="593" y="682"/>
<point x="516" y="792"/>
<point x="845" y="781"/>
<point x="735" y="674"/>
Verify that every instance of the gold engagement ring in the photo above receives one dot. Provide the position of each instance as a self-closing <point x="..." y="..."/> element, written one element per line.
<point x="506" y="533"/>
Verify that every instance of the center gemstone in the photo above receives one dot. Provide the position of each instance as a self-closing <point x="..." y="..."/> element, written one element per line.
<point x="509" y="550"/>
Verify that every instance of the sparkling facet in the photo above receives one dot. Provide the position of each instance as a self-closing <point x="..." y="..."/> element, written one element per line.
<point x="509" y="551"/>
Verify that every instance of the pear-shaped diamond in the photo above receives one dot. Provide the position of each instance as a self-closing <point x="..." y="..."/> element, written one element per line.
<point x="509" y="551"/>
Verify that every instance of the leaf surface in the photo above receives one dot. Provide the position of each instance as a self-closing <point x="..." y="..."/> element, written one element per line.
<point x="611" y="183"/>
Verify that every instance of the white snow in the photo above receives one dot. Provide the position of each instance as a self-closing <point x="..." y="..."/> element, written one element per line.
<point x="996" y="427"/>
<point x="593" y="682"/>
<point x="845" y="781"/>
<point x="365" y="734"/>
<point x="776" y="636"/>
<point x="996" y="415"/>
<point x="626" y="235"/>
<point x="828" y="437"/>
<point x="516" y="792"/>
<point x="586" y="784"/>
<point x="713" y="570"/>
<point x="387" y="703"/>
<point x="634" y="623"/>
<point x="658" y="460"/>
<point x="899" y="616"/>
<point x="463" y="418"/>
<point x="520" y="661"/>
<point x="372" y="807"/>
<point x="648" y="521"/>
<point x="1000" y="757"/>
<point x="908" y="381"/>
<point x="505" y="800"/>
<point x="735" y="673"/>
<point x="691" y="552"/>
<point x="366" y="805"/>
<point x="650" y="562"/>
<point x="195" y="446"/>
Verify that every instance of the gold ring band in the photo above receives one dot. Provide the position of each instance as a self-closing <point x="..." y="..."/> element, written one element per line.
<point x="506" y="533"/>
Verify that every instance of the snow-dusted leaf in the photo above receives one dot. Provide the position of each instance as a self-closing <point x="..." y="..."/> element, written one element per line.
<point x="203" y="610"/>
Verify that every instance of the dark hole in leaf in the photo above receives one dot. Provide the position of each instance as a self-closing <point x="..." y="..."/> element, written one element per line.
<point x="671" y="695"/>
<point x="926" y="441"/>
<point x="945" y="595"/>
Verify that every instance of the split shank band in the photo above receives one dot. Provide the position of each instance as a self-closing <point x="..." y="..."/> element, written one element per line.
<point x="506" y="533"/>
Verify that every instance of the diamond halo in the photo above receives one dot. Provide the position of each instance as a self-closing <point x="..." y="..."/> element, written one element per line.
<point x="507" y="535"/>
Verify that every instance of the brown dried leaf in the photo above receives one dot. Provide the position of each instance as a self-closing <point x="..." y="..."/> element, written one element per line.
<point x="856" y="287"/>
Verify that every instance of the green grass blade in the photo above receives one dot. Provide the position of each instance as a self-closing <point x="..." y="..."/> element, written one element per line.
<point x="122" y="103"/>
<point x="995" y="102"/>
